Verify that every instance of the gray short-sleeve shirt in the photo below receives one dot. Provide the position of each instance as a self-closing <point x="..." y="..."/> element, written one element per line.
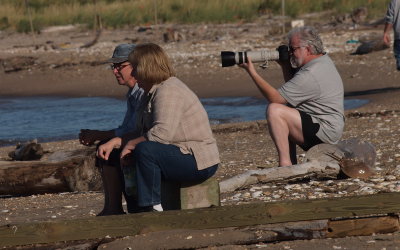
<point x="393" y="17"/>
<point x="317" y="90"/>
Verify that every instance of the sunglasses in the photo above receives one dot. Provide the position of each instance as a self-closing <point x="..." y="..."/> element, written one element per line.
<point x="293" y="49"/>
<point x="118" y="66"/>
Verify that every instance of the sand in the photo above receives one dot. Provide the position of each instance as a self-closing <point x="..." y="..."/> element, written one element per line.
<point x="56" y="66"/>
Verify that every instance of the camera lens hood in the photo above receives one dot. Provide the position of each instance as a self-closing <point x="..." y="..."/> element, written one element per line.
<point x="228" y="58"/>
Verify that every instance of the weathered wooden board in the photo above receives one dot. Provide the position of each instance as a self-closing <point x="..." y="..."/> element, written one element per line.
<point x="203" y="238"/>
<point x="364" y="226"/>
<point x="303" y="230"/>
<point x="218" y="217"/>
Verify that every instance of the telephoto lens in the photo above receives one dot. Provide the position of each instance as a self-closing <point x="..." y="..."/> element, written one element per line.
<point x="229" y="58"/>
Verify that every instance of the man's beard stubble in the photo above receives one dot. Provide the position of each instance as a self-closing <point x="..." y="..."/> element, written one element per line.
<point x="295" y="62"/>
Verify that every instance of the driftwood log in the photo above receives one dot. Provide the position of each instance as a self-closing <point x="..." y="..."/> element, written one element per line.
<point x="313" y="168"/>
<point x="351" y="158"/>
<point x="62" y="171"/>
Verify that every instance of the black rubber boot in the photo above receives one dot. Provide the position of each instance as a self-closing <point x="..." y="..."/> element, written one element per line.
<point x="113" y="188"/>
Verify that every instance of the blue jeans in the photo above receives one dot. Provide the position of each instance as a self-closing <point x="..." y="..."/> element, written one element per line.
<point x="396" y="50"/>
<point x="156" y="161"/>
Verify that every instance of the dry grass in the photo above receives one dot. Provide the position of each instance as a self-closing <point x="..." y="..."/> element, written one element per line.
<point x="114" y="13"/>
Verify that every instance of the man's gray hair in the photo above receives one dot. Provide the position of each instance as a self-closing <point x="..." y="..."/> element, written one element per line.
<point x="308" y="37"/>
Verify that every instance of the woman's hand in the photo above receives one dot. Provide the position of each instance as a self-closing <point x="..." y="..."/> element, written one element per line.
<point x="105" y="149"/>
<point x="130" y="146"/>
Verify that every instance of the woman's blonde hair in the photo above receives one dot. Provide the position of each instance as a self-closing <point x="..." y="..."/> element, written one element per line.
<point x="150" y="63"/>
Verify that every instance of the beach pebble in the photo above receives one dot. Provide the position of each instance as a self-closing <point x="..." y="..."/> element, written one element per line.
<point x="352" y="188"/>
<point x="390" y="178"/>
<point x="367" y="190"/>
<point x="236" y="196"/>
<point x="267" y="193"/>
<point x="256" y="194"/>
<point x="253" y="189"/>
<point x="377" y="180"/>
<point x="246" y="195"/>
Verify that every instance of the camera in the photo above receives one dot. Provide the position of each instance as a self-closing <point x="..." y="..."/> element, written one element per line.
<point x="229" y="58"/>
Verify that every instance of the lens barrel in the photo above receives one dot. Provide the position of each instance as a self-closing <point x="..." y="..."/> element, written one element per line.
<point x="230" y="58"/>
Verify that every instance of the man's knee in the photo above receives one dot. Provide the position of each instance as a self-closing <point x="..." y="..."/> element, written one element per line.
<point x="274" y="110"/>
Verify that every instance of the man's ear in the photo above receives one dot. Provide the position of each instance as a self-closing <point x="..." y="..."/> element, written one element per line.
<point x="308" y="49"/>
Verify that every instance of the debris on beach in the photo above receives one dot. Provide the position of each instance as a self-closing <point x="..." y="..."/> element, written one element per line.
<point x="27" y="152"/>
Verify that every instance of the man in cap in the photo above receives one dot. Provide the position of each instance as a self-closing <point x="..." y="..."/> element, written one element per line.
<point x="113" y="179"/>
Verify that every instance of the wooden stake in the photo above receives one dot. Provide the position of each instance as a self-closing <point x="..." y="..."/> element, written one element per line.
<point x="155" y="12"/>
<point x="283" y="16"/>
<point x="30" y="21"/>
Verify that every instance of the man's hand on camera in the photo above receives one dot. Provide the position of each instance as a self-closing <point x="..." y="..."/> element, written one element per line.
<point x="284" y="64"/>
<point x="87" y="137"/>
<point x="249" y="66"/>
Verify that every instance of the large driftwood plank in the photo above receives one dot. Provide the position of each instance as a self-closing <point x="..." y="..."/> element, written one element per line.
<point x="63" y="171"/>
<point x="218" y="217"/>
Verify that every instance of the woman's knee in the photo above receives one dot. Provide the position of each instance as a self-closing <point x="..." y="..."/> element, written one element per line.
<point x="146" y="148"/>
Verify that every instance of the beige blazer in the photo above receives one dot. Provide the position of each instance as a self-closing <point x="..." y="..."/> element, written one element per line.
<point x="172" y="114"/>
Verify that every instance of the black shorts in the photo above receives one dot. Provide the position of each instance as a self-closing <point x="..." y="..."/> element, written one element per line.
<point x="310" y="130"/>
<point x="113" y="159"/>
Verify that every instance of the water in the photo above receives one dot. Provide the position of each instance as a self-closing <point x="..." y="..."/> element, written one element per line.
<point x="59" y="118"/>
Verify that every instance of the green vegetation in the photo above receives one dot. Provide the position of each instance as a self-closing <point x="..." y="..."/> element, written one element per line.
<point x="14" y="14"/>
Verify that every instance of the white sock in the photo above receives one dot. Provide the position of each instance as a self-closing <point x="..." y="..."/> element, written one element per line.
<point x="158" y="208"/>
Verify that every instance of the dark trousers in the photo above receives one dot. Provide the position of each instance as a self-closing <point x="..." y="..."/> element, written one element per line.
<point x="156" y="161"/>
<point x="396" y="50"/>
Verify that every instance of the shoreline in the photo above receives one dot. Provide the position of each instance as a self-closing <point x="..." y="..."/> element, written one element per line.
<point x="373" y="97"/>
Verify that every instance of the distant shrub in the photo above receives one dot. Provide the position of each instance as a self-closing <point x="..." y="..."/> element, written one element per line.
<point x="4" y="24"/>
<point x="118" y="13"/>
<point x="24" y="26"/>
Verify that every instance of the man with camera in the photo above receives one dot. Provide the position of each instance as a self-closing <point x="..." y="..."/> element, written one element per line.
<point x="308" y="108"/>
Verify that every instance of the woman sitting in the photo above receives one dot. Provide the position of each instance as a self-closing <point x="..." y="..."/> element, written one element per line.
<point x="176" y="143"/>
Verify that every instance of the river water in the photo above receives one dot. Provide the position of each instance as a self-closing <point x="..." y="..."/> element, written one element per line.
<point x="59" y="118"/>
